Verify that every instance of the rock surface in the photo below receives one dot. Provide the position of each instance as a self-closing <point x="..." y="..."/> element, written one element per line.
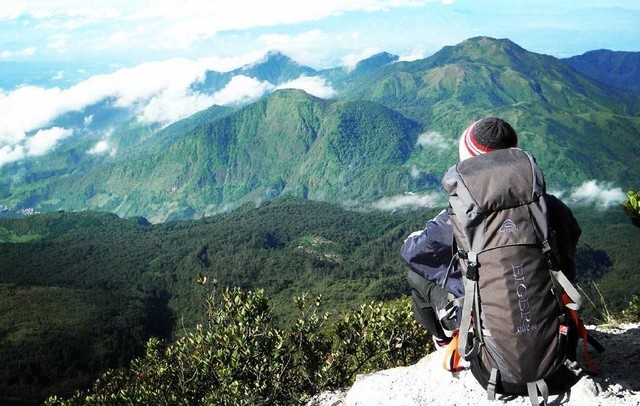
<point x="427" y="383"/>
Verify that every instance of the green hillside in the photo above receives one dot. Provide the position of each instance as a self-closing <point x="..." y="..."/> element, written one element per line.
<point x="289" y="143"/>
<point x="577" y="128"/>
<point x="392" y="130"/>
<point x="83" y="292"/>
<point x="617" y="68"/>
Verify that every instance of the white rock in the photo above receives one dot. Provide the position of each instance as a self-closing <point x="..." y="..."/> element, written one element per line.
<point x="427" y="383"/>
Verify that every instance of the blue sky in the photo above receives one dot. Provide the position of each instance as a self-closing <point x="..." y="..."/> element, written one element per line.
<point x="60" y="56"/>
<point x="320" y="34"/>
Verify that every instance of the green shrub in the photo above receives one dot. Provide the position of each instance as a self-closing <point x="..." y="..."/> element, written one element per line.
<point x="632" y="207"/>
<point x="632" y="313"/>
<point x="237" y="357"/>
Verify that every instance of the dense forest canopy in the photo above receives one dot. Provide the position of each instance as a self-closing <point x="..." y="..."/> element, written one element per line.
<point x="82" y="292"/>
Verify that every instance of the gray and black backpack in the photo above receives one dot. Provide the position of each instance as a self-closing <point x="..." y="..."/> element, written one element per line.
<point x="518" y="326"/>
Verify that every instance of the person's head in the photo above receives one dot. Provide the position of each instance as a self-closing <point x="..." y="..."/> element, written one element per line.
<point x="486" y="135"/>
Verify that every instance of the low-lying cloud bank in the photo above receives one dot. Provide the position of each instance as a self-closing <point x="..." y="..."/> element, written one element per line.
<point x="604" y="195"/>
<point x="157" y="93"/>
<point x="409" y="200"/>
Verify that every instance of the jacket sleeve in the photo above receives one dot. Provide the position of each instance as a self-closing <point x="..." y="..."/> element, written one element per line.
<point x="428" y="253"/>
<point x="568" y="233"/>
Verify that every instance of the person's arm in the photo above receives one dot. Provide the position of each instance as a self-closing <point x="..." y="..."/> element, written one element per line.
<point x="568" y="233"/>
<point x="428" y="252"/>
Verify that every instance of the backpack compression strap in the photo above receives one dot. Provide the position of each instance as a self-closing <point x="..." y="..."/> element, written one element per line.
<point x="533" y="388"/>
<point x="586" y="338"/>
<point x="470" y="309"/>
<point x="572" y="300"/>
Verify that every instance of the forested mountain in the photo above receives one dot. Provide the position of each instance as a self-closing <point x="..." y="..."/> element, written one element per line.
<point x="289" y="142"/>
<point x="556" y="111"/>
<point x="343" y="77"/>
<point x="82" y="292"/>
<point x="617" y="68"/>
<point x="275" y="68"/>
<point x="392" y="130"/>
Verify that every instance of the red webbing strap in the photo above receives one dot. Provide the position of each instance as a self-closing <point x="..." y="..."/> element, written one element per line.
<point x="582" y="330"/>
<point x="451" y="359"/>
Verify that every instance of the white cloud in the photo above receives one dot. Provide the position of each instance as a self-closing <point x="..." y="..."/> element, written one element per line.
<point x="602" y="195"/>
<point x="282" y="41"/>
<point x="241" y="89"/>
<point x="433" y="139"/>
<point x="168" y="107"/>
<point x="313" y="85"/>
<point x="102" y="147"/>
<point x="133" y="85"/>
<point x="10" y="153"/>
<point x="407" y="201"/>
<point x="44" y="140"/>
<point x="59" y="42"/>
<point x="26" y="109"/>
<point x="416" y="54"/>
<point x="305" y="47"/>
<point x="29" y="51"/>
<point x="171" y="25"/>
<point x="350" y="61"/>
<point x="160" y="89"/>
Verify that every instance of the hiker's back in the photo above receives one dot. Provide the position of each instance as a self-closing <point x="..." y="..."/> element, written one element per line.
<point x="500" y="217"/>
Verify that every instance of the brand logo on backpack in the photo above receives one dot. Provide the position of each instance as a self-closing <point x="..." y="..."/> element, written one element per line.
<point x="508" y="227"/>
<point x="523" y="301"/>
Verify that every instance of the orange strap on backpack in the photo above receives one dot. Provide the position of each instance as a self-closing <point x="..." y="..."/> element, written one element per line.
<point x="582" y="330"/>
<point x="451" y="361"/>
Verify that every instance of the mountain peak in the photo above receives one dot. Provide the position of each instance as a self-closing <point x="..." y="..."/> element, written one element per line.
<point x="485" y="50"/>
<point x="272" y="56"/>
<point x="276" y="68"/>
<point x="375" y="61"/>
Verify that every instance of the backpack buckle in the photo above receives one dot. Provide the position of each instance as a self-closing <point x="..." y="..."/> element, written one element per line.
<point x="472" y="271"/>
<point x="472" y="266"/>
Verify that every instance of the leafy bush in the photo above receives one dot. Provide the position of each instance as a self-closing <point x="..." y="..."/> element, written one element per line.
<point x="632" y="312"/>
<point x="632" y="207"/>
<point x="237" y="357"/>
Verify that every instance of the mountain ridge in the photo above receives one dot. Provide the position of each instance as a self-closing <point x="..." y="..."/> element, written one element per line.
<point x="311" y="149"/>
<point x="557" y="111"/>
<point x="617" y="68"/>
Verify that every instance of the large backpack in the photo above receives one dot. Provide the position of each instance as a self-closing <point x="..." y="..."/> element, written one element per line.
<point x="519" y="327"/>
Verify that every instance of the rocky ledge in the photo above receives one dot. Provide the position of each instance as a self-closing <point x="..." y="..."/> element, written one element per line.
<point x="427" y="383"/>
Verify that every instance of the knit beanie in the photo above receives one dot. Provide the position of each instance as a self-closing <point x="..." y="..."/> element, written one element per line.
<point x="486" y="135"/>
